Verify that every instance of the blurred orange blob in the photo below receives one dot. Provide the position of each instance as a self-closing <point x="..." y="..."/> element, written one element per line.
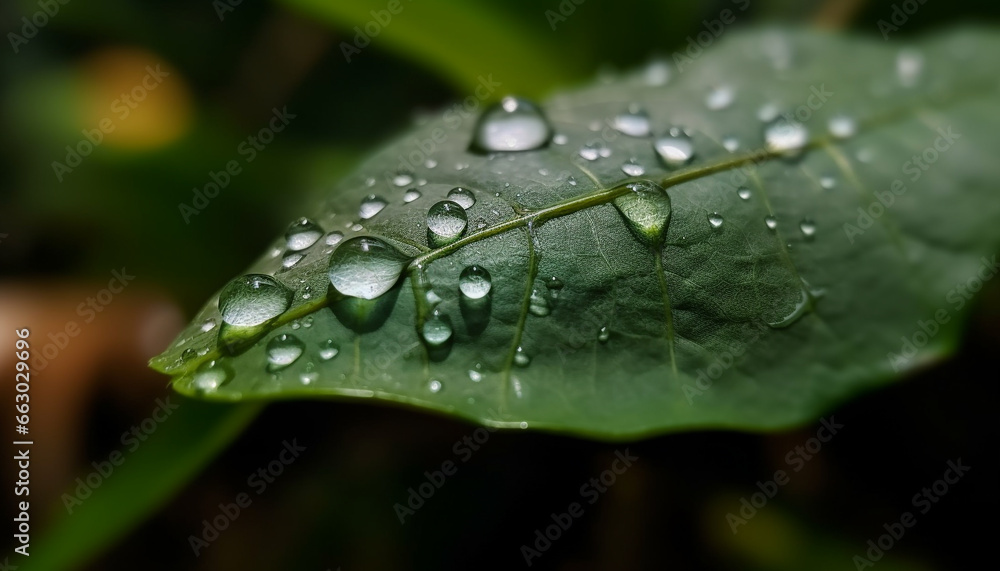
<point x="135" y="100"/>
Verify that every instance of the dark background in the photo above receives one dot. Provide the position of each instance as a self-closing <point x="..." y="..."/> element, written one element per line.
<point x="333" y="508"/>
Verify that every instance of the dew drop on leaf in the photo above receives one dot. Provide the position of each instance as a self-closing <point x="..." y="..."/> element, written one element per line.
<point x="720" y="98"/>
<point x="462" y="196"/>
<point x="538" y="303"/>
<point x="411" y="195"/>
<point x="401" y="178"/>
<point x="365" y="267"/>
<point x="675" y="151"/>
<point x="715" y="220"/>
<point x="283" y="350"/>
<point x="842" y="126"/>
<point x="253" y="299"/>
<point x="744" y="193"/>
<point x="446" y="221"/>
<point x="521" y="359"/>
<point x="771" y="222"/>
<point x="633" y="168"/>
<point x="334" y="238"/>
<point x="301" y="234"/>
<point x="634" y="122"/>
<point x="435" y="386"/>
<point x="475" y="282"/>
<point x="808" y="228"/>
<point x="370" y="206"/>
<point x="211" y="375"/>
<point x="603" y="334"/>
<point x="646" y="209"/>
<point x="513" y="124"/>
<point x="328" y="350"/>
<point x="785" y="136"/>
<point x="436" y="330"/>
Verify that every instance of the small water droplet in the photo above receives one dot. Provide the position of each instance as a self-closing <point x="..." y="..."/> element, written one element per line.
<point x="646" y="209"/>
<point x="370" y="181"/>
<point x="411" y="195"/>
<point x="475" y="282"/>
<point x="538" y="303"/>
<point x="208" y="325"/>
<point x="771" y="222"/>
<point x="334" y="238"/>
<point x="828" y="182"/>
<point x="909" y="66"/>
<point x="521" y="359"/>
<point x="744" y="193"/>
<point x="657" y="73"/>
<point x="675" y="151"/>
<point x="365" y="267"/>
<point x="731" y="144"/>
<point x="371" y="205"/>
<point x="211" y="375"/>
<point x="301" y="234"/>
<point x="283" y="350"/>
<point x="475" y="376"/>
<point x="808" y="228"/>
<point x="514" y="124"/>
<point x="634" y="122"/>
<point x="290" y="259"/>
<point x="446" y="222"/>
<point x="715" y="219"/>
<point x="768" y="112"/>
<point x="560" y="139"/>
<point x="435" y="386"/>
<point x="523" y="425"/>
<point x="402" y="178"/>
<point x="253" y="299"/>
<point x="308" y="377"/>
<point x="430" y="163"/>
<point x="188" y="354"/>
<point x="720" y="98"/>
<point x="594" y="151"/>
<point x="865" y="155"/>
<point x="328" y="350"/>
<point x="785" y="136"/>
<point x="633" y="168"/>
<point x="436" y="330"/>
<point x="604" y="334"/>
<point x="462" y="196"/>
<point x="842" y="126"/>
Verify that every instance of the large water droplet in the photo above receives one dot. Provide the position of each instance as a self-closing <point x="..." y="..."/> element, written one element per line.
<point x="446" y="222"/>
<point x="646" y="210"/>
<point x="365" y="267"/>
<point x="538" y="303"/>
<point x="253" y="299"/>
<point x="785" y="136"/>
<point x="720" y="98"/>
<point x="715" y="220"/>
<point x="462" y="196"/>
<point x="514" y="124"/>
<point x="475" y="282"/>
<point x="676" y="151"/>
<point x="328" y="350"/>
<point x="371" y="205"/>
<point x="436" y="330"/>
<point x="842" y="126"/>
<point x="211" y="375"/>
<point x="283" y="350"/>
<point x="301" y="234"/>
<point x="634" y="122"/>
<point x="633" y="168"/>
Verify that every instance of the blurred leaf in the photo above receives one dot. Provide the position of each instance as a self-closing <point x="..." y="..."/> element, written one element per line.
<point x="181" y="446"/>
<point x="728" y="322"/>
<point x="461" y="40"/>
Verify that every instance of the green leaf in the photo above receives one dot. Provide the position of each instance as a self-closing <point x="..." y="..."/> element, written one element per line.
<point x="181" y="446"/>
<point x="678" y="309"/>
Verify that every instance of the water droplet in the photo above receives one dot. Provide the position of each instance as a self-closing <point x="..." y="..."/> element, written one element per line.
<point x="475" y="282"/>
<point x="210" y="376"/>
<point x="657" y="73"/>
<point x="334" y="238"/>
<point x="370" y="181"/>
<point x="523" y="425"/>
<point x="309" y="377"/>
<point x="594" y="151"/>
<point x="804" y="305"/>
<point x="554" y="284"/>
<point x="253" y="299"/>
<point x="514" y="124"/>
<point x="828" y="182"/>
<point x="307" y="321"/>
<point x="842" y="126"/>
<point x="188" y="354"/>
<point x="365" y="267"/>
<point x="411" y="195"/>
<point x="604" y="334"/>
<point x="731" y="144"/>
<point x="475" y="376"/>
<point x="633" y="168"/>
<point x="462" y="196"/>
<point x="715" y="219"/>
<point x="744" y="193"/>
<point x="720" y="98"/>
<point x="436" y="330"/>
<point x="521" y="359"/>
<point x="208" y="325"/>
<point x="771" y="222"/>
<point x="634" y="122"/>
<point x="538" y="303"/>
<point x="768" y="112"/>
<point x="328" y="350"/>
<point x="785" y="136"/>
<point x="446" y="221"/>
<point x="283" y="350"/>
<point x="646" y="210"/>
<point x="676" y="151"/>
<point x="435" y="386"/>
<point x="301" y="234"/>
<point x="865" y="155"/>
<point x="430" y="163"/>
<point x="371" y="206"/>
<point x="560" y="139"/>
<point x="402" y="178"/>
<point x="290" y="259"/>
<point x="808" y="228"/>
<point x="909" y="66"/>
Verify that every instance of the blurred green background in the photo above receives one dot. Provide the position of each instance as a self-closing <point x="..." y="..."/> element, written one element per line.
<point x="228" y="65"/>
